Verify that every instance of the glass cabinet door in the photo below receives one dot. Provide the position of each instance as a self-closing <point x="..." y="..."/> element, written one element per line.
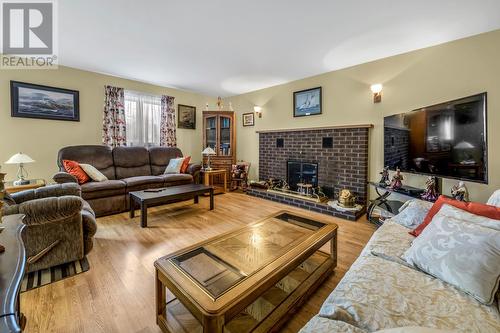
<point x="225" y="125"/>
<point x="211" y="132"/>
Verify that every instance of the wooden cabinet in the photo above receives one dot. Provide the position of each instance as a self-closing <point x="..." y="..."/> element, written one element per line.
<point x="219" y="133"/>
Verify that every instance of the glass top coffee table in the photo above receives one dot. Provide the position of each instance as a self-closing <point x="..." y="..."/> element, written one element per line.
<point x="246" y="280"/>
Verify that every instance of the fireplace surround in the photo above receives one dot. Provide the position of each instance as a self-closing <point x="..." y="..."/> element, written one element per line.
<point x="339" y="153"/>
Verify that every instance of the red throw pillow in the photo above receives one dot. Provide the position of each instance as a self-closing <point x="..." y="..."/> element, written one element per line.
<point x="185" y="164"/>
<point x="475" y="208"/>
<point x="73" y="168"/>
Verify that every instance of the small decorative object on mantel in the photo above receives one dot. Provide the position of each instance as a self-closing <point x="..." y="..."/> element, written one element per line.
<point x="459" y="192"/>
<point x="397" y="180"/>
<point x="384" y="180"/>
<point x="347" y="199"/>
<point x="430" y="193"/>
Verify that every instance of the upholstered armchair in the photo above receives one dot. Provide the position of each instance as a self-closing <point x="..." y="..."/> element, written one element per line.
<point x="60" y="225"/>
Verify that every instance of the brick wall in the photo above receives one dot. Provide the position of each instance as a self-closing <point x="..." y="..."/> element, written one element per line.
<point x="396" y="147"/>
<point x="345" y="165"/>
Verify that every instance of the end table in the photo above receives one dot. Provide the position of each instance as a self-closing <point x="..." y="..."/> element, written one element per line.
<point x="33" y="184"/>
<point x="208" y="178"/>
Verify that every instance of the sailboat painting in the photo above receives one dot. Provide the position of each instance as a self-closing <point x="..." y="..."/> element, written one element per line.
<point x="307" y="102"/>
<point x="42" y="102"/>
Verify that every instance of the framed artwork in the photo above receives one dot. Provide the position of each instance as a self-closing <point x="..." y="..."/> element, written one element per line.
<point x="307" y="102"/>
<point x="43" y="102"/>
<point x="186" y="116"/>
<point x="248" y="119"/>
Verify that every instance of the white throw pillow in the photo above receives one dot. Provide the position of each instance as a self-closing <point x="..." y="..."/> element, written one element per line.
<point x="462" y="253"/>
<point x="494" y="200"/>
<point x="412" y="213"/>
<point x="93" y="173"/>
<point x="174" y="166"/>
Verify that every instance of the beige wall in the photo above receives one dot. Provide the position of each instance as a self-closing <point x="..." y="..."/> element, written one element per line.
<point x="41" y="139"/>
<point x="412" y="80"/>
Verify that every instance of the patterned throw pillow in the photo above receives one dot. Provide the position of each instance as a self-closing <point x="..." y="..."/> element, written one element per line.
<point x="73" y="168"/>
<point x="93" y="173"/>
<point x="461" y="250"/>
<point x="185" y="164"/>
<point x="412" y="213"/>
<point x="174" y="166"/>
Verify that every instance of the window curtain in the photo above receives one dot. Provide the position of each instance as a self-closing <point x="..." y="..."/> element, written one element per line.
<point x="167" y="127"/>
<point x="143" y="117"/>
<point x="114" y="132"/>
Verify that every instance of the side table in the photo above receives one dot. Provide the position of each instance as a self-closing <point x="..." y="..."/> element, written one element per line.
<point x="33" y="184"/>
<point x="210" y="177"/>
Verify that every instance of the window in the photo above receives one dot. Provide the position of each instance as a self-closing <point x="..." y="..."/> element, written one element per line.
<point x="143" y="117"/>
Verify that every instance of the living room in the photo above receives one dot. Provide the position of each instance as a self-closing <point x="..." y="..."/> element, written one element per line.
<point x="219" y="167"/>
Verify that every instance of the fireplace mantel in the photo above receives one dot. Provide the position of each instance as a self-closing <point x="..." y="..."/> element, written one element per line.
<point x="315" y="128"/>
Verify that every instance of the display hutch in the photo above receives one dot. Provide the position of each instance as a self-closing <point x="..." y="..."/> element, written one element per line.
<point x="219" y="134"/>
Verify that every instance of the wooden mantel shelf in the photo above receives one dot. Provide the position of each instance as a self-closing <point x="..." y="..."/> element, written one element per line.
<point x="315" y="128"/>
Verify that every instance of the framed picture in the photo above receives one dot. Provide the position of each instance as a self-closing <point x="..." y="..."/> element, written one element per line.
<point x="42" y="102"/>
<point x="307" y="102"/>
<point x="187" y="116"/>
<point x="248" y="119"/>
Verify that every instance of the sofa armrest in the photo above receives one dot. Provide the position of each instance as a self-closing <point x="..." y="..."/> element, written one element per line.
<point x="57" y="190"/>
<point x="64" y="177"/>
<point x="193" y="168"/>
<point x="47" y="210"/>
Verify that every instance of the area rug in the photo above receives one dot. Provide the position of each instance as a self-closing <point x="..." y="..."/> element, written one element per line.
<point x="43" y="277"/>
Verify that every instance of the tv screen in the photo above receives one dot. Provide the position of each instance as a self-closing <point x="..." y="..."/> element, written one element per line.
<point x="446" y="140"/>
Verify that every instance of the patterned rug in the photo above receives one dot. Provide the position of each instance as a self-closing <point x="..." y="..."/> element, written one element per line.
<point x="42" y="277"/>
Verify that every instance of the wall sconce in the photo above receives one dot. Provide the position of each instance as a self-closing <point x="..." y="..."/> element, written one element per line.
<point x="258" y="110"/>
<point x="377" y="92"/>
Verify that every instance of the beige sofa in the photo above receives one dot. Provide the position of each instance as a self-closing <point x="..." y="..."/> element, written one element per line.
<point x="380" y="292"/>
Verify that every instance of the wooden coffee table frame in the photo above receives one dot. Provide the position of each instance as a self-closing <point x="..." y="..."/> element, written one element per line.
<point x="212" y="314"/>
<point x="167" y="195"/>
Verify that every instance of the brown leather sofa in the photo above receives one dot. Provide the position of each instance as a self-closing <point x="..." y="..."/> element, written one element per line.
<point x="127" y="169"/>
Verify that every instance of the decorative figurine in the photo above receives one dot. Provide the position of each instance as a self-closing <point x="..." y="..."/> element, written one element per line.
<point x="346" y="199"/>
<point x="430" y="193"/>
<point x="459" y="192"/>
<point x="220" y="104"/>
<point x="397" y="180"/>
<point x="385" y="176"/>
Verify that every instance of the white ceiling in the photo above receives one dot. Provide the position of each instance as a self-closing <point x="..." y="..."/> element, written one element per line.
<point x="228" y="47"/>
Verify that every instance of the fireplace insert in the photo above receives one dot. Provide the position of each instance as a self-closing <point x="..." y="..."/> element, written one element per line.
<point x="301" y="172"/>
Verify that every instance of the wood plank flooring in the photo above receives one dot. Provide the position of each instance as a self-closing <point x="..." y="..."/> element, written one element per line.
<point x="117" y="293"/>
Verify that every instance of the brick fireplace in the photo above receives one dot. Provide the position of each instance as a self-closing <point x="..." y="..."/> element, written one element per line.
<point x="340" y="154"/>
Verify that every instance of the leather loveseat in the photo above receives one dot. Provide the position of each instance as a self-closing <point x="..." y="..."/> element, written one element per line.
<point x="127" y="169"/>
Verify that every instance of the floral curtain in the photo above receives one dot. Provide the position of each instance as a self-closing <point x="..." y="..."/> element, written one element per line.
<point x="113" y="122"/>
<point x="167" y="126"/>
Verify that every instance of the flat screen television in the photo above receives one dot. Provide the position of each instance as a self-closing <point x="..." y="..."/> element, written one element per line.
<point x="446" y="140"/>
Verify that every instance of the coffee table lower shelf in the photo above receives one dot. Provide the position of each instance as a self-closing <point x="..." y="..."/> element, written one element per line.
<point x="268" y="310"/>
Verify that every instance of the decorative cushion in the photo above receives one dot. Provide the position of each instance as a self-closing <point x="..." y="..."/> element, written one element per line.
<point x="472" y="207"/>
<point x="174" y="166"/>
<point x="185" y="164"/>
<point x="462" y="252"/>
<point x="412" y="213"/>
<point x="494" y="200"/>
<point x="93" y="173"/>
<point x="73" y="168"/>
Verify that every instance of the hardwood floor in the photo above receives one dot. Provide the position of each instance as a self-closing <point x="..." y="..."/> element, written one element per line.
<point x="117" y="293"/>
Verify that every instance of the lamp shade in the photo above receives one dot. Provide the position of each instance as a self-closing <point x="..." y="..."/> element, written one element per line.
<point x="208" y="151"/>
<point x="464" y="145"/>
<point x="19" y="158"/>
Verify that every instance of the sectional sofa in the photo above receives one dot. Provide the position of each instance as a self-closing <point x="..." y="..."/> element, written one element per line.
<point x="380" y="292"/>
<point x="127" y="169"/>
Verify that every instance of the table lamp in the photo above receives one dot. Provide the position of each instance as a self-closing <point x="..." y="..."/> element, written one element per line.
<point x="208" y="152"/>
<point x="20" y="159"/>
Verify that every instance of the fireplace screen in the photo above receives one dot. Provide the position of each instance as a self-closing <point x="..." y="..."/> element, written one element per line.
<point x="301" y="172"/>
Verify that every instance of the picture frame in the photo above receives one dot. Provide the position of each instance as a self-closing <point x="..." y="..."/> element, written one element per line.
<point x="30" y="100"/>
<point x="186" y="116"/>
<point x="307" y="102"/>
<point x="248" y="119"/>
